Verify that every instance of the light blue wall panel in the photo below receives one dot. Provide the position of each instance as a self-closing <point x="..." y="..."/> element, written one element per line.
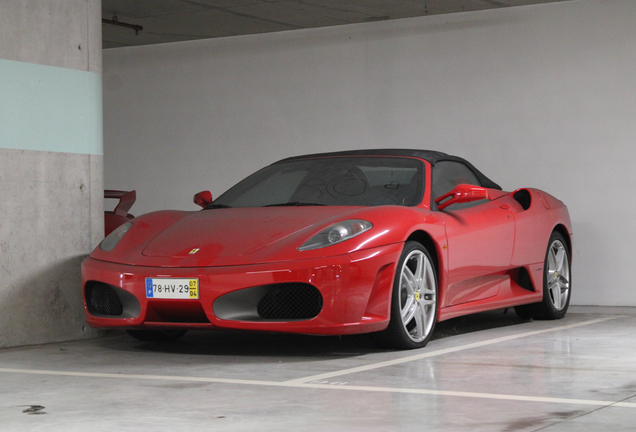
<point x="50" y="109"/>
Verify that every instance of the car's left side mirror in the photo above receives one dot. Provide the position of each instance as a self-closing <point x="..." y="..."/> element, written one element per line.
<point x="462" y="193"/>
<point x="203" y="198"/>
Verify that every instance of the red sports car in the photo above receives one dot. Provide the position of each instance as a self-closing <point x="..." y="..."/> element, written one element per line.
<point x="387" y="242"/>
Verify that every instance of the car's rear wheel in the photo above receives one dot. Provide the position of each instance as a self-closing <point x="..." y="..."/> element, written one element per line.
<point x="557" y="278"/>
<point x="413" y="301"/>
<point x="157" y="335"/>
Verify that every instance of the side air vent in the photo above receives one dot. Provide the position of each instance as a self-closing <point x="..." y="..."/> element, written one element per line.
<point x="523" y="279"/>
<point x="109" y="301"/>
<point x="523" y="197"/>
<point x="276" y="302"/>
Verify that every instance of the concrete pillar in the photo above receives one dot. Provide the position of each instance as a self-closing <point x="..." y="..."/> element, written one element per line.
<point x="51" y="169"/>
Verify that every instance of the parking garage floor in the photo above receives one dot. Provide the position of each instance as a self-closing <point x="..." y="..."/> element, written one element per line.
<point x="487" y="372"/>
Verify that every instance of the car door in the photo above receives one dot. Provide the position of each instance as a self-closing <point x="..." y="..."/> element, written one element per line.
<point x="480" y="238"/>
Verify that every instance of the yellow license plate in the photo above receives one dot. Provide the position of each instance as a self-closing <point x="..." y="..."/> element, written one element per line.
<point x="172" y="288"/>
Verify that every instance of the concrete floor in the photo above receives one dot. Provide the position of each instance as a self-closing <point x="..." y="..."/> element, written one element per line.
<point x="488" y="372"/>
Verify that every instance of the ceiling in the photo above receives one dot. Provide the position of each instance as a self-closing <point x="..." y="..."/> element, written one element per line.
<point x="180" y="20"/>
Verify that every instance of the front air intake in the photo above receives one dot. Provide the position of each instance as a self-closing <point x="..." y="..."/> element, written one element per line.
<point x="109" y="301"/>
<point x="101" y="299"/>
<point x="276" y="302"/>
<point x="290" y="301"/>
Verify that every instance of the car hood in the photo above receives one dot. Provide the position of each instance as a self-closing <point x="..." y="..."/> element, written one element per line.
<point x="257" y="235"/>
<point x="234" y="232"/>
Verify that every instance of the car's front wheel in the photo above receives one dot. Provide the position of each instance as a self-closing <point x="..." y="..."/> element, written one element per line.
<point x="413" y="302"/>
<point x="157" y="335"/>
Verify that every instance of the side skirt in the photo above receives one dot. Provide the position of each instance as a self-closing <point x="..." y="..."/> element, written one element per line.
<point x="513" y="291"/>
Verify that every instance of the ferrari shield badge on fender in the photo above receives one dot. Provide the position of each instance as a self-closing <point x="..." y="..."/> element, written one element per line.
<point x="193" y="251"/>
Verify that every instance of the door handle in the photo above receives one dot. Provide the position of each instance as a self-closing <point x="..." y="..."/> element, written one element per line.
<point x="505" y="206"/>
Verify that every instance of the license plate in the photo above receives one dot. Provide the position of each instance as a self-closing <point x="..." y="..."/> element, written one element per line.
<point x="172" y="288"/>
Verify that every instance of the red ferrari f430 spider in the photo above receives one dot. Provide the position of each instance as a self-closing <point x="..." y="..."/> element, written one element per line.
<point x="386" y="242"/>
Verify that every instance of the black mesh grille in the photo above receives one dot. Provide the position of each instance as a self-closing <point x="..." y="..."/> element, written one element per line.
<point x="101" y="299"/>
<point x="290" y="301"/>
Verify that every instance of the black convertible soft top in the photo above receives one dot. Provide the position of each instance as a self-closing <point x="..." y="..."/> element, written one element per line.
<point x="431" y="156"/>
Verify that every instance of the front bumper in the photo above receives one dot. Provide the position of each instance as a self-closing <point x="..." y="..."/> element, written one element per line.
<point x="355" y="290"/>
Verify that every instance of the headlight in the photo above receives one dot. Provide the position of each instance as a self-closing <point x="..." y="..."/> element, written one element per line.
<point x="109" y="243"/>
<point x="337" y="233"/>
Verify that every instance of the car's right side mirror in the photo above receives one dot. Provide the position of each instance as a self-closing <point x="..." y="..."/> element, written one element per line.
<point x="462" y="193"/>
<point x="203" y="198"/>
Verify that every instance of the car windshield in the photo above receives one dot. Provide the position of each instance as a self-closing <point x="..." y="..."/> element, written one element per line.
<point x="332" y="181"/>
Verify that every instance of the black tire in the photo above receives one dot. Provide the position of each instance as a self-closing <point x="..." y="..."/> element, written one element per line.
<point x="417" y="297"/>
<point x="157" y="335"/>
<point x="557" y="277"/>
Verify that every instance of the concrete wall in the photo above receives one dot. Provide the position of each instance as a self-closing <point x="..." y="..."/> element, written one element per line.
<point x="51" y="165"/>
<point x="539" y="96"/>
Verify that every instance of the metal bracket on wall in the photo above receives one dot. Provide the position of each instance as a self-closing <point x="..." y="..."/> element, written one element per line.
<point x="116" y="22"/>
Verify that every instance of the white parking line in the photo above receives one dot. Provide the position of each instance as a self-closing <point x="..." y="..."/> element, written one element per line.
<point x="436" y="353"/>
<point x="475" y="395"/>
<point x="143" y="377"/>
<point x="287" y="384"/>
<point x="309" y="382"/>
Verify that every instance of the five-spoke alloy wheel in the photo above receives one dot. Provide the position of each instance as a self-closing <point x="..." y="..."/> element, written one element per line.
<point x="414" y="300"/>
<point x="557" y="279"/>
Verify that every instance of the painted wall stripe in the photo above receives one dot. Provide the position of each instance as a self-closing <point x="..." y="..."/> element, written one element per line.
<point x="51" y="109"/>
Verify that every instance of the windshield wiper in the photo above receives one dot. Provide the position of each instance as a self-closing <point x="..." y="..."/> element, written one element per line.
<point x="216" y="206"/>
<point x="294" y="204"/>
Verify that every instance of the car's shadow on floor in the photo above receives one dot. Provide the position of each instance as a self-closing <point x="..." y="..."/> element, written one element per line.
<point x="255" y="344"/>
